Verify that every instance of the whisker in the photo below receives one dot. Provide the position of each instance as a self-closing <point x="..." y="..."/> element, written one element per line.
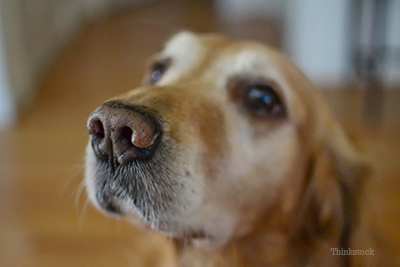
<point x="81" y="216"/>
<point x="150" y="233"/>
<point x="76" y="171"/>
<point x="185" y="238"/>
<point x="78" y="195"/>
<point x="118" y="226"/>
<point x="85" y="206"/>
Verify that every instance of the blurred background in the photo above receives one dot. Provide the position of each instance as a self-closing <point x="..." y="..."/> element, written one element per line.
<point x="60" y="59"/>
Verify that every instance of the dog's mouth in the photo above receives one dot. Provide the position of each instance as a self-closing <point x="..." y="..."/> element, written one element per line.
<point x="147" y="186"/>
<point x="118" y="186"/>
<point x="200" y="234"/>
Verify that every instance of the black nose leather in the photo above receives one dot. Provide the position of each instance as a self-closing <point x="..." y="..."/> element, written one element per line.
<point x="122" y="132"/>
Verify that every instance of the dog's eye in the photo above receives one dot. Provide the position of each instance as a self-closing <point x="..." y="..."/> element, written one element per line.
<point x="158" y="70"/>
<point x="262" y="101"/>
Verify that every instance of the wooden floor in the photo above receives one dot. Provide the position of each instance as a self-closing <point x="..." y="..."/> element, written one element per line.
<point x="44" y="219"/>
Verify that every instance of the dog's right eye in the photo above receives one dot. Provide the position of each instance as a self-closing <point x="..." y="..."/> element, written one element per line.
<point x="158" y="69"/>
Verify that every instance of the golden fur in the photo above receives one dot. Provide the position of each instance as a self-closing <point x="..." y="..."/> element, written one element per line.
<point x="278" y="192"/>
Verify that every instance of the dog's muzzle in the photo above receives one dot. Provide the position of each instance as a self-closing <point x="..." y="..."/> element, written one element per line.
<point x="124" y="140"/>
<point x="134" y="167"/>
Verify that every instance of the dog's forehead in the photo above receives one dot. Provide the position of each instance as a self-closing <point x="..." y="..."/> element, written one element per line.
<point x="247" y="59"/>
<point x="225" y="56"/>
<point x="185" y="45"/>
<point x="190" y="43"/>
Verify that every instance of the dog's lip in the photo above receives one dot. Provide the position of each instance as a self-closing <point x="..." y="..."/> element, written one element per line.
<point x="199" y="234"/>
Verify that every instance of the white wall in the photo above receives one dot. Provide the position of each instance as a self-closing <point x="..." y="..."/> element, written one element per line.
<point x="248" y="9"/>
<point x="7" y="103"/>
<point x="392" y="63"/>
<point x="315" y="39"/>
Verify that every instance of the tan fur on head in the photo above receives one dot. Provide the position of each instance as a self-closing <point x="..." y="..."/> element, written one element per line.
<point x="239" y="182"/>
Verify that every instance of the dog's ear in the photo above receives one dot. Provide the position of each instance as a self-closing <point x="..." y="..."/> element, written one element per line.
<point x="336" y="171"/>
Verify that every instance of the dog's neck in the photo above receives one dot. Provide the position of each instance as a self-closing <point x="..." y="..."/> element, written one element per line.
<point x="269" y="244"/>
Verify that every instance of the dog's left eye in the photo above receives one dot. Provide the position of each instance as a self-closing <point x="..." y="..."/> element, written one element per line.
<point x="262" y="101"/>
<point x="158" y="70"/>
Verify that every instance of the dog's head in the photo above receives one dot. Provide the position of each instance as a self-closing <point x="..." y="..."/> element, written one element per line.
<point x="218" y="132"/>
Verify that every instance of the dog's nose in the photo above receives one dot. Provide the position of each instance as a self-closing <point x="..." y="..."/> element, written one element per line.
<point x="122" y="132"/>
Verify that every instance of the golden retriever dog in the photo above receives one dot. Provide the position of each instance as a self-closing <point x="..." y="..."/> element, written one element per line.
<point x="228" y="149"/>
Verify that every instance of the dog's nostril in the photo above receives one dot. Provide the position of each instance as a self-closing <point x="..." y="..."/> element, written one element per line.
<point x="96" y="128"/>
<point x="126" y="136"/>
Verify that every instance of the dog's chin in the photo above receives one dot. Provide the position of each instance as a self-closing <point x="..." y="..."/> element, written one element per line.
<point x="124" y="209"/>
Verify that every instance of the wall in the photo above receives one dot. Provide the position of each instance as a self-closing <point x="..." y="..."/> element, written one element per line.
<point x="7" y="108"/>
<point x="315" y="39"/>
<point x="392" y="60"/>
<point x="32" y="34"/>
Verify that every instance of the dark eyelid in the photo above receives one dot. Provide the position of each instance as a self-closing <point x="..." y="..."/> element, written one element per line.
<point x="166" y="62"/>
<point x="238" y="86"/>
<point x="162" y="64"/>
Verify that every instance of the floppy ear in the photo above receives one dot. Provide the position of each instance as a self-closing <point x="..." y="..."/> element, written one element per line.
<point x="336" y="170"/>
